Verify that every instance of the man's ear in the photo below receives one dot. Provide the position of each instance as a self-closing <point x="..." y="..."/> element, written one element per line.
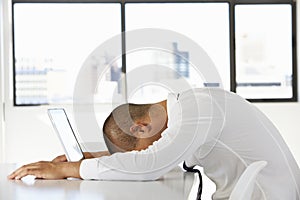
<point x="140" y="130"/>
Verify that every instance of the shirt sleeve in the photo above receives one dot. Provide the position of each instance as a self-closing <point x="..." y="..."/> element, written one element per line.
<point x="134" y="165"/>
<point x="192" y="119"/>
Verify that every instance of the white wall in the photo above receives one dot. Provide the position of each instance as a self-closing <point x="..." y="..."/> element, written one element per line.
<point x="33" y="137"/>
<point x="4" y="62"/>
<point x="24" y="144"/>
<point x="286" y="118"/>
<point x="1" y="88"/>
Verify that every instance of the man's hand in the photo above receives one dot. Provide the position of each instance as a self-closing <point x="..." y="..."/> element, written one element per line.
<point x="61" y="158"/>
<point x="58" y="168"/>
<point x="48" y="170"/>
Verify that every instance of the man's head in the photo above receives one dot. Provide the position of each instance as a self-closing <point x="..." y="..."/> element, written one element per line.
<point x="134" y="126"/>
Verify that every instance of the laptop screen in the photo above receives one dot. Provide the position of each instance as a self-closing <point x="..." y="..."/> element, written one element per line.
<point x="65" y="133"/>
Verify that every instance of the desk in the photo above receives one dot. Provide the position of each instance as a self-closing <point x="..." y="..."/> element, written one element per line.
<point x="174" y="185"/>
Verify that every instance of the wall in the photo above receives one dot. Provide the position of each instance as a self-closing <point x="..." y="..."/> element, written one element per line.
<point x="32" y="137"/>
<point x="286" y="118"/>
<point x="1" y="88"/>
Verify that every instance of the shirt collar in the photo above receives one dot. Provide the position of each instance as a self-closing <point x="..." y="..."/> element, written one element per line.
<point x="172" y="107"/>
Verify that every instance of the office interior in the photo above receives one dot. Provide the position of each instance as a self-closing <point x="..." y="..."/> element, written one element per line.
<point x="41" y="54"/>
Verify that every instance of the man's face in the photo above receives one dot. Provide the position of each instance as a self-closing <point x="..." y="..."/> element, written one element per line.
<point x="152" y="127"/>
<point x="146" y="130"/>
<point x="158" y="119"/>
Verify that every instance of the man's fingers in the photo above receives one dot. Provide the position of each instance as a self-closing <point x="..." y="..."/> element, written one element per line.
<point x="61" y="158"/>
<point x="16" y="174"/>
<point x="23" y="171"/>
<point x="30" y="169"/>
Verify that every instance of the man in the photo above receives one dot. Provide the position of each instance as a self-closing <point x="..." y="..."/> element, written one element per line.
<point x="212" y="128"/>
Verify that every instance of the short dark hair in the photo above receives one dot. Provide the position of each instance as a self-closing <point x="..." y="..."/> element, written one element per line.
<point x="116" y="128"/>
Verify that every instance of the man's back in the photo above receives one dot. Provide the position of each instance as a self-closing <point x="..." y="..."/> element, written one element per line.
<point x="223" y="133"/>
<point x="247" y="136"/>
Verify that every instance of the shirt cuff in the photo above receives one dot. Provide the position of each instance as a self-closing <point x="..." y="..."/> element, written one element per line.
<point x="91" y="169"/>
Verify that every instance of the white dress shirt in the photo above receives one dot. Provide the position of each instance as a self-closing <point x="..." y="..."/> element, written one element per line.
<point x="217" y="130"/>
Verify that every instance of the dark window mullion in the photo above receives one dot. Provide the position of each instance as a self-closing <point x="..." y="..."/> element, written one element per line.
<point x="294" y="52"/>
<point x="123" y="29"/>
<point x="232" y="47"/>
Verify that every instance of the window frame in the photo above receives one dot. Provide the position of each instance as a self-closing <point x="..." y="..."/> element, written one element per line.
<point x="294" y="98"/>
<point x="232" y="44"/>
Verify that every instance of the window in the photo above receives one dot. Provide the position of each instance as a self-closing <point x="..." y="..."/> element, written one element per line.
<point x="210" y="31"/>
<point x="264" y="51"/>
<point x="52" y="42"/>
<point x="252" y="44"/>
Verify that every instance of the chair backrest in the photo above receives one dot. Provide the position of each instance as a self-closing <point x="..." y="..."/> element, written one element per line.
<point x="244" y="187"/>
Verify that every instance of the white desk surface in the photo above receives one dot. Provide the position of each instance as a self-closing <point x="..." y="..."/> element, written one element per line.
<point x="174" y="185"/>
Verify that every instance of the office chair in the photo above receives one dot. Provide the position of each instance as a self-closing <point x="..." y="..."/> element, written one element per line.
<point x="244" y="187"/>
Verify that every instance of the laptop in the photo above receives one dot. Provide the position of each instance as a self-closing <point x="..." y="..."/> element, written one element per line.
<point x="65" y="133"/>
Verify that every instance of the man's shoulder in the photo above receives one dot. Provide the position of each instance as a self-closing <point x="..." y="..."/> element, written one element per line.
<point x="205" y="92"/>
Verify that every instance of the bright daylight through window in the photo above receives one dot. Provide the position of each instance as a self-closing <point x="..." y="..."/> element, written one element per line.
<point x="52" y="41"/>
<point x="264" y="51"/>
<point x="251" y="45"/>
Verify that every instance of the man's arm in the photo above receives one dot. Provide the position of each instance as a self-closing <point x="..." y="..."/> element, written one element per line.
<point x="149" y="164"/>
<point x="194" y="118"/>
<point x="187" y="132"/>
<point x="87" y="155"/>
